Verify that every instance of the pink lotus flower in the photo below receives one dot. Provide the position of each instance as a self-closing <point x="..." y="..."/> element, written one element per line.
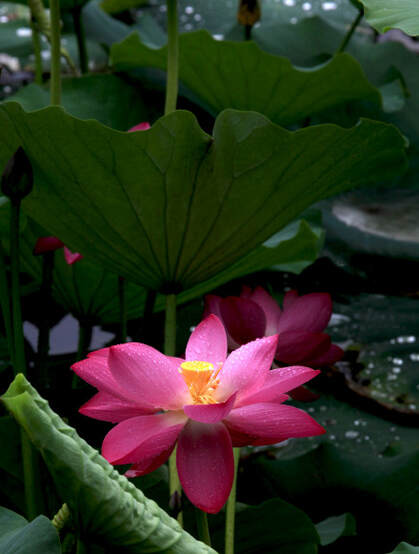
<point x="205" y="403"/>
<point x="140" y="127"/>
<point x="49" y="244"/>
<point x="299" y="325"/>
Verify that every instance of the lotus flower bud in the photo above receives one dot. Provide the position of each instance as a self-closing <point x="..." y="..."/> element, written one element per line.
<point x="17" y="178"/>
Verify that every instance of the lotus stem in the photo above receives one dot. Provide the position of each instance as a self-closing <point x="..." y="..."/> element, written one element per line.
<point x="18" y="340"/>
<point x="170" y="350"/>
<point x="231" y="508"/>
<point x="5" y="307"/>
<point x="44" y="325"/>
<point x="202" y="526"/>
<point x="77" y="14"/>
<point x="55" y="82"/>
<point x="36" y="44"/>
<point x="172" y="57"/>
<point x="350" y="32"/>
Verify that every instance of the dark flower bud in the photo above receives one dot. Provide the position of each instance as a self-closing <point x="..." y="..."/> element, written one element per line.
<point x="249" y="12"/>
<point x="17" y="178"/>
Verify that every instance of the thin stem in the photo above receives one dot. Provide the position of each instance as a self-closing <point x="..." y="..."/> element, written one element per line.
<point x="202" y="526"/>
<point x="350" y="32"/>
<point x="44" y="325"/>
<point x="148" y="315"/>
<point x="81" y="38"/>
<point x="55" y="83"/>
<point x="122" y="309"/>
<point x="170" y="350"/>
<point x="36" y="44"/>
<point x="248" y="32"/>
<point x="5" y="307"/>
<point x="172" y="57"/>
<point x="231" y="508"/>
<point x="19" y="344"/>
<point x="33" y="498"/>
<point x="85" y="337"/>
<point x="30" y="461"/>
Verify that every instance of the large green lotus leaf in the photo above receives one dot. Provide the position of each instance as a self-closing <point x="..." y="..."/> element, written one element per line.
<point x="104" y="505"/>
<point x="389" y="14"/>
<point x="273" y="526"/>
<point x="235" y="71"/>
<point x="115" y="6"/>
<point x="106" y="98"/>
<point x="171" y="207"/>
<point x="292" y="249"/>
<point x="17" y="536"/>
<point x="313" y="39"/>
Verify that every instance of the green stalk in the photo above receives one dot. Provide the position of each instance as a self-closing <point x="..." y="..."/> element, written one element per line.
<point x="33" y="498"/>
<point x="19" y="344"/>
<point x="122" y="309"/>
<point x="85" y="337"/>
<point x="231" y="508"/>
<point x="5" y="307"/>
<point x="170" y="350"/>
<point x="202" y="526"/>
<point x="36" y="44"/>
<point x="81" y="38"/>
<point x="44" y="325"/>
<point x="350" y="32"/>
<point x="172" y="57"/>
<point x="248" y="32"/>
<point x="55" y="83"/>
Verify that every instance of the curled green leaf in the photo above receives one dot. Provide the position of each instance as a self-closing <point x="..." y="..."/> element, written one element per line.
<point x="106" y="508"/>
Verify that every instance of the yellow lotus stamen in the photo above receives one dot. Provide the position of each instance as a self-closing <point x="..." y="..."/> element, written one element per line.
<point x="201" y="380"/>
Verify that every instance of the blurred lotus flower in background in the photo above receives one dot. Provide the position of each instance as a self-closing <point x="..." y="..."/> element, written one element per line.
<point x="140" y="127"/>
<point x="299" y="324"/>
<point x="206" y="403"/>
<point x="49" y="244"/>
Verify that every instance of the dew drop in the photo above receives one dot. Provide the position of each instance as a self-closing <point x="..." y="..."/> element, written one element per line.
<point x="351" y="434"/>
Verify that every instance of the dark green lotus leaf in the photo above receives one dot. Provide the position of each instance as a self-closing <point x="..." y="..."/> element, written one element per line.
<point x="404" y="548"/>
<point x="361" y="456"/>
<point x="313" y="40"/>
<point x="332" y="528"/>
<point x="17" y="536"/>
<point x="273" y="526"/>
<point x="104" y="505"/>
<point x="171" y="207"/>
<point x="115" y="6"/>
<point x="234" y="73"/>
<point x="389" y="14"/>
<point x="106" y="98"/>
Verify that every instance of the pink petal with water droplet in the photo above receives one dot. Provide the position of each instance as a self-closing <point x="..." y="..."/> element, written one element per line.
<point x="268" y="423"/>
<point x="107" y="407"/>
<point x="205" y="464"/>
<point x="148" y="377"/>
<point x="278" y="382"/>
<point x="142" y="438"/>
<point x="208" y="342"/>
<point x="210" y="413"/>
<point x="246" y="368"/>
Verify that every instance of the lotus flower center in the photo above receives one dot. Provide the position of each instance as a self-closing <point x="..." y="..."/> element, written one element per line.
<point x="201" y="380"/>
